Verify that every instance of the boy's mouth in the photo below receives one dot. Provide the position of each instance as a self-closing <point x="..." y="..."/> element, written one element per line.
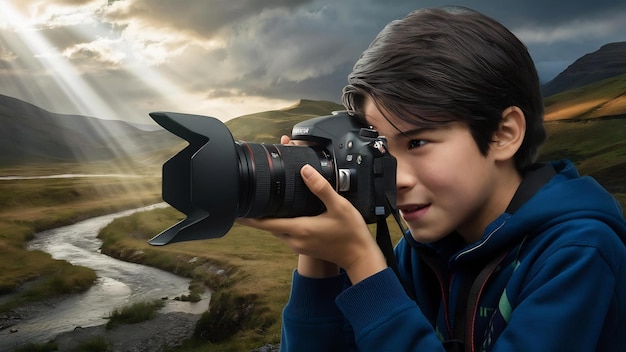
<point x="413" y="211"/>
<point x="412" y="208"/>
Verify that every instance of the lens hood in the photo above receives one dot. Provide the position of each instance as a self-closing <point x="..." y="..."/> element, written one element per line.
<point x="200" y="181"/>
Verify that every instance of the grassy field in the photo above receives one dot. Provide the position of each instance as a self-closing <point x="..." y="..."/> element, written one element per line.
<point x="279" y="122"/>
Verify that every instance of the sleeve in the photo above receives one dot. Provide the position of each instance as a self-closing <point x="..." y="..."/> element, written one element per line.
<point x="384" y="318"/>
<point x="311" y="319"/>
<point x="568" y="302"/>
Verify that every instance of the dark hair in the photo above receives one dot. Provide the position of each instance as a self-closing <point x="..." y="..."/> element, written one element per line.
<point x="440" y="65"/>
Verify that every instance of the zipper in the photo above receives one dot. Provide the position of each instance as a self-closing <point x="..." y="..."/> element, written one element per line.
<point x="444" y="298"/>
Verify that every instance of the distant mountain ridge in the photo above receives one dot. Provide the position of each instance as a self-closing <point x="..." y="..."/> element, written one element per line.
<point x="31" y="134"/>
<point x="606" y="62"/>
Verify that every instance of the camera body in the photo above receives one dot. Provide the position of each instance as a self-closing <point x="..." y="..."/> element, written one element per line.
<point x="365" y="172"/>
<point x="216" y="179"/>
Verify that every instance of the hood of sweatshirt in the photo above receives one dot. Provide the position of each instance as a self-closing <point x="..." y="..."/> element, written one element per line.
<point x="565" y="196"/>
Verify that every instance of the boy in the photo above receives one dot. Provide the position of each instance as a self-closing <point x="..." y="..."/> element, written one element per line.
<point x="502" y="254"/>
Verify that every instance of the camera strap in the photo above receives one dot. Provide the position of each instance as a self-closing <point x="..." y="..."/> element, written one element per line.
<point x="384" y="168"/>
<point x="383" y="239"/>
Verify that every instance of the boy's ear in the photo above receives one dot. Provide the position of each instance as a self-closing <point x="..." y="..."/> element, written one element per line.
<point x="507" y="139"/>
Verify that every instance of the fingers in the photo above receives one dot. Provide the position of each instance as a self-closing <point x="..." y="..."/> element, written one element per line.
<point x="319" y="186"/>
<point x="285" y="140"/>
<point x="274" y="225"/>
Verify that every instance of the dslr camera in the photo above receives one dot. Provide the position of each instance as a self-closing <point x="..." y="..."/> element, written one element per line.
<point x="215" y="179"/>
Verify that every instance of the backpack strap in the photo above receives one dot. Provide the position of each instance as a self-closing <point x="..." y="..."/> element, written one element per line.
<point x="469" y="295"/>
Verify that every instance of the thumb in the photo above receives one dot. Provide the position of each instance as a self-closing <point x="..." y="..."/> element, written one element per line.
<point x="317" y="184"/>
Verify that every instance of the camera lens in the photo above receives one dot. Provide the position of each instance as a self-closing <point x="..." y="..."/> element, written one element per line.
<point x="270" y="184"/>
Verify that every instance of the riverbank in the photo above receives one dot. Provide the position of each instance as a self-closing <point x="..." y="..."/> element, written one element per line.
<point x="118" y="284"/>
<point x="165" y="330"/>
<point x="28" y="278"/>
<point x="248" y="270"/>
<point x="31" y="206"/>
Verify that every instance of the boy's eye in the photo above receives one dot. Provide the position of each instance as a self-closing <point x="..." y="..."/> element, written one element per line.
<point x="416" y="143"/>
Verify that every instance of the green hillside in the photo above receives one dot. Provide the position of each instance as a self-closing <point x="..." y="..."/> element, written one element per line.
<point x="597" y="147"/>
<point x="268" y="126"/>
<point x="602" y="98"/>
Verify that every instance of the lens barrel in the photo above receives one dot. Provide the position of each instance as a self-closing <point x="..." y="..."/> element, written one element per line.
<point x="270" y="184"/>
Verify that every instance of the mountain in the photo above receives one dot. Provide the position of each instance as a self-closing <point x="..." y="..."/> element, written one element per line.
<point x="606" y="62"/>
<point x="31" y="134"/>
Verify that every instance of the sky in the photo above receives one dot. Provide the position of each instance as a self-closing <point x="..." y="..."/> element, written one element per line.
<point x="121" y="59"/>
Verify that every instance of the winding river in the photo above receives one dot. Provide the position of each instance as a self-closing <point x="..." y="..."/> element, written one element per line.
<point x="119" y="283"/>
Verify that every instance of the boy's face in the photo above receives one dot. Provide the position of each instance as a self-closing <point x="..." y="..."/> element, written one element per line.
<point x="443" y="181"/>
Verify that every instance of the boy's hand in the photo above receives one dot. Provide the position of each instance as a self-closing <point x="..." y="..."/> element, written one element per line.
<point x="338" y="236"/>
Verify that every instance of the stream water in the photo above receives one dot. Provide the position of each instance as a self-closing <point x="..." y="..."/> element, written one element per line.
<point x="119" y="283"/>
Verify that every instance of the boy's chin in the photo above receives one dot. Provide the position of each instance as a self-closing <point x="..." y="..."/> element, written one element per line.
<point x="421" y="236"/>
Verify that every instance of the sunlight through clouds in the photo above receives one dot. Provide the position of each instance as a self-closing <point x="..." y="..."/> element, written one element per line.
<point x="97" y="54"/>
<point x="7" y="55"/>
<point x="230" y="58"/>
<point x="62" y="72"/>
<point x="183" y="59"/>
<point x="52" y="14"/>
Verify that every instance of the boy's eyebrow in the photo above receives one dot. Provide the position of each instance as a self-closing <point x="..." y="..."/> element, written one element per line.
<point x="407" y="133"/>
<point x="415" y="131"/>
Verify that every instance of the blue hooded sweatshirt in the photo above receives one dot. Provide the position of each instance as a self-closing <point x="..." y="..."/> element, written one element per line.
<point x="549" y="274"/>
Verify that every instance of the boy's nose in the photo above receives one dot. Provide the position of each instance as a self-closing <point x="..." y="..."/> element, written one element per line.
<point x="405" y="178"/>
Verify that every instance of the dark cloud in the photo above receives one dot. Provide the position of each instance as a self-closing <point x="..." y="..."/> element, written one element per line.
<point x="202" y="18"/>
<point x="551" y="12"/>
<point x="134" y="51"/>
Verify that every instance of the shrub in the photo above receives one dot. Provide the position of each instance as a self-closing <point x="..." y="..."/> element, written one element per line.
<point x="229" y="314"/>
<point x="134" y="313"/>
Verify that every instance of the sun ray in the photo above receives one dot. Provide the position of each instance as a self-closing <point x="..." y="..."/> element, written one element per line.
<point x="70" y="81"/>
